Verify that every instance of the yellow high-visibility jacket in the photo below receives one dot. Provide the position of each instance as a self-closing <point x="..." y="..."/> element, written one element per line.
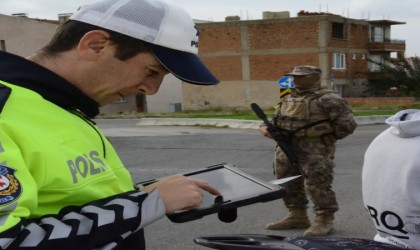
<point x="62" y="184"/>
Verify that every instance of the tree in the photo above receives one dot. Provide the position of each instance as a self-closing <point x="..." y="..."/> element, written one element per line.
<point x="400" y="75"/>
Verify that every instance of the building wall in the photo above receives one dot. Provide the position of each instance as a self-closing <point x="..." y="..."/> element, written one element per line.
<point x="258" y="50"/>
<point x="250" y="56"/>
<point x="381" y="100"/>
<point x="237" y="95"/>
<point x="23" y="36"/>
<point x="247" y="56"/>
<point x="126" y="106"/>
<point x="167" y="98"/>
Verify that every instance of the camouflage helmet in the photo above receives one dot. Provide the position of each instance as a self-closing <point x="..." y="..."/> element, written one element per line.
<point x="305" y="70"/>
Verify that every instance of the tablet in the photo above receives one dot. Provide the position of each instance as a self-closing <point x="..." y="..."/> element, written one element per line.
<point x="237" y="188"/>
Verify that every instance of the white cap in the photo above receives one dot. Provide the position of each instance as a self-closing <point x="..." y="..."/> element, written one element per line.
<point x="171" y="34"/>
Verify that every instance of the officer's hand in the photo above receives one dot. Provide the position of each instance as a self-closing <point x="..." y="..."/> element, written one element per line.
<point x="179" y="192"/>
<point x="264" y="131"/>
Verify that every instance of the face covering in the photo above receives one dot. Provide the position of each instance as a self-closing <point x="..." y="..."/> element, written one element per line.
<point x="307" y="82"/>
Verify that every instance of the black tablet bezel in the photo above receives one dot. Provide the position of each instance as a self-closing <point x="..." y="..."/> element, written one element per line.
<point x="272" y="192"/>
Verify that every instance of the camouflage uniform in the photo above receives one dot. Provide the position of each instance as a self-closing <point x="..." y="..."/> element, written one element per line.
<point x="315" y="151"/>
<point x="332" y="119"/>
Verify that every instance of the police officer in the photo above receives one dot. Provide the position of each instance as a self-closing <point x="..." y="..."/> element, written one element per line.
<point x="62" y="184"/>
<point x="317" y="118"/>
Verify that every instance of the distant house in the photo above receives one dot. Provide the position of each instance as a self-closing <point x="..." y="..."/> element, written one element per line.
<point x="250" y="56"/>
<point x="168" y="99"/>
<point x="23" y="36"/>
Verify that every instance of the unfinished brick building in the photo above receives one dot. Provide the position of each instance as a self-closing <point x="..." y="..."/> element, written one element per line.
<point x="250" y="56"/>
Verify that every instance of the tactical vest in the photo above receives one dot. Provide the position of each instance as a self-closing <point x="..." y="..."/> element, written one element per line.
<point x="303" y="116"/>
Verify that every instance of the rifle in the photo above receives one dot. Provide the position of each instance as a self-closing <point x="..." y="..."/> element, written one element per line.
<point x="282" y="137"/>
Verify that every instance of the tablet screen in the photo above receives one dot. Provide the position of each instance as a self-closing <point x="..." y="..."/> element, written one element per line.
<point x="237" y="188"/>
<point x="231" y="185"/>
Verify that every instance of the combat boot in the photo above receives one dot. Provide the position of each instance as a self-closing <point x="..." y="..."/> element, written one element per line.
<point x="322" y="226"/>
<point x="297" y="218"/>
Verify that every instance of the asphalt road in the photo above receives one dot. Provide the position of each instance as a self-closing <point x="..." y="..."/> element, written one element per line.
<point x="153" y="152"/>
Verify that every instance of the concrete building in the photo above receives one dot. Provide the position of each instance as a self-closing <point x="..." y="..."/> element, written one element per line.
<point x="22" y="36"/>
<point x="167" y="100"/>
<point x="250" y="56"/>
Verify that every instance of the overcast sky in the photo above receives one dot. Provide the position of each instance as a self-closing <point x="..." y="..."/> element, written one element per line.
<point x="215" y="10"/>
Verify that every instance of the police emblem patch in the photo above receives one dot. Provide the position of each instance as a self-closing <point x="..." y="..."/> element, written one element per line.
<point x="10" y="188"/>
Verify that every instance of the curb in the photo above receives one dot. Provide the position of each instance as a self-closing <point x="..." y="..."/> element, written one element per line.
<point x="232" y="123"/>
<point x="226" y="123"/>
<point x="368" y="120"/>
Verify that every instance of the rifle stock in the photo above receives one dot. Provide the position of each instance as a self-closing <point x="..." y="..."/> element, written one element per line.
<point x="281" y="136"/>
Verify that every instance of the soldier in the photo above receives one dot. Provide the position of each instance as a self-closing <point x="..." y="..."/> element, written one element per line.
<point x="317" y="118"/>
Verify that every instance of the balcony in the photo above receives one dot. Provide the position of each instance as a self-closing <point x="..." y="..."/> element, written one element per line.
<point x="390" y="45"/>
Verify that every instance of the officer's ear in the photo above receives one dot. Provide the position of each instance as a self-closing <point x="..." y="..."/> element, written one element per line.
<point x="92" y="44"/>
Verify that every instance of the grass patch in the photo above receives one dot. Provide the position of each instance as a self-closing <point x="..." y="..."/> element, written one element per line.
<point x="358" y="110"/>
<point x="241" y="116"/>
<point x="374" y="113"/>
<point x="220" y="113"/>
<point x="252" y="116"/>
